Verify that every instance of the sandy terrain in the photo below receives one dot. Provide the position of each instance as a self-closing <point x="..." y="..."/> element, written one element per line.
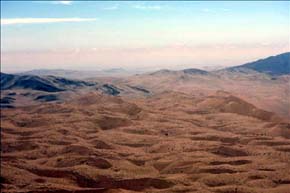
<point x="171" y="142"/>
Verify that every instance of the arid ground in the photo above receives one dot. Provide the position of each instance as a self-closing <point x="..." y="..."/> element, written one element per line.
<point x="224" y="131"/>
<point x="144" y="96"/>
<point x="169" y="142"/>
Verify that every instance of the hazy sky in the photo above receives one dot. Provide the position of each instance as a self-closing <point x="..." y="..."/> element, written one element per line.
<point x="99" y="35"/>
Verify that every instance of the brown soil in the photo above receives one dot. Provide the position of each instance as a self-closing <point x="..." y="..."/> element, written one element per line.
<point x="171" y="142"/>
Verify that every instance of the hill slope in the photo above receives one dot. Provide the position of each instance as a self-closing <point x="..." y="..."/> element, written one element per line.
<point x="47" y="84"/>
<point x="171" y="142"/>
<point x="273" y="65"/>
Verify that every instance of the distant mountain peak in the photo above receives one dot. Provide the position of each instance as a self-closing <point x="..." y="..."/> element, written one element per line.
<point x="162" y="72"/>
<point x="194" y="71"/>
<point x="190" y="71"/>
<point x="273" y="65"/>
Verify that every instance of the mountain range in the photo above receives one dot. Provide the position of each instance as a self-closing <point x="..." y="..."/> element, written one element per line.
<point x="221" y="131"/>
<point x="268" y="75"/>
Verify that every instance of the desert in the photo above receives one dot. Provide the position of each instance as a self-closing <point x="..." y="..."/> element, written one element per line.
<point x="144" y="96"/>
<point x="153" y="139"/>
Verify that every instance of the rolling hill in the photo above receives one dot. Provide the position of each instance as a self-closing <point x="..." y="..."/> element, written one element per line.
<point x="258" y="82"/>
<point x="171" y="142"/>
<point x="169" y="131"/>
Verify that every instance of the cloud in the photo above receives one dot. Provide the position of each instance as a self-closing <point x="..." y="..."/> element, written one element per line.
<point x="114" y="7"/>
<point x="55" y="2"/>
<point x="12" y="21"/>
<point x="62" y="2"/>
<point x="147" y="7"/>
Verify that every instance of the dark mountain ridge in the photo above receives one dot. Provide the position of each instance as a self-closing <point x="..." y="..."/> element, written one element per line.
<point x="273" y="65"/>
<point x="46" y="83"/>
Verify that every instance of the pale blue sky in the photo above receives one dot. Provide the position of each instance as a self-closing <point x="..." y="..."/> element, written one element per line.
<point x="140" y="34"/>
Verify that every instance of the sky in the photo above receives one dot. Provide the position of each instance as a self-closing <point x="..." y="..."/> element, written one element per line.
<point x="97" y="35"/>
